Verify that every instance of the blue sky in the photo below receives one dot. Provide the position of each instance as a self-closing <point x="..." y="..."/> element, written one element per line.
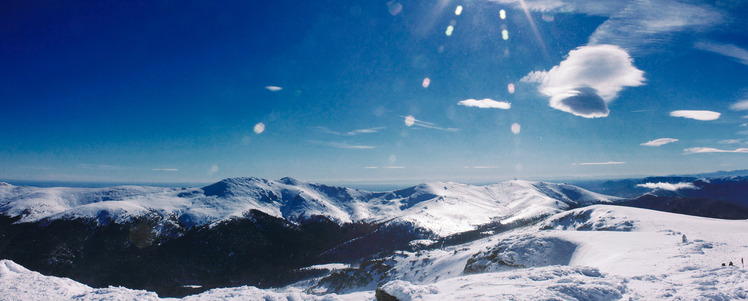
<point x="371" y="91"/>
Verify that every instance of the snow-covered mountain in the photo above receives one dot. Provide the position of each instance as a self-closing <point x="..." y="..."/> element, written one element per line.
<point x="599" y="252"/>
<point x="513" y="240"/>
<point x="440" y="208"/>
<point x="250" y="230"/>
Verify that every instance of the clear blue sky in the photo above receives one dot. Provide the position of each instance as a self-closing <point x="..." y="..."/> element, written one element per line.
<point x="336" y="92"/>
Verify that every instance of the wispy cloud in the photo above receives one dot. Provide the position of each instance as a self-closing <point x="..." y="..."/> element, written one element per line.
<point x="728" y="50"/>
<point x="485" y="103"/>
<point x="412" y="121"/>
<point x="633" y="23"/>
<point x="589" y="79"/>
<point x="659" y="142"/>
<point x="731" y="141"/>
<point x="101" y="166"/>
<point x="696" y="114"/>
<point x="351" y="133"/>
<point x="668" y="186"/>
<point x="343" y="145"/>
<point x="740" y="105"/>
<point x="652" y="22"/>
<point x="273" y="88"/>
<point x="601" y="163"/>
<point x="371" y="167"/>
<point x="165" y="169"/>
<point x="703" y="150"/>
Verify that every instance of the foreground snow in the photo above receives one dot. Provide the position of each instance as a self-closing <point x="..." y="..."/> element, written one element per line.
<point x="599" y="252"/>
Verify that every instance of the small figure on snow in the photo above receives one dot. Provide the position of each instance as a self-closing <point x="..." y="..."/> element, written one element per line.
<point x="685" y="240"/>
<point x="730" y="263"/>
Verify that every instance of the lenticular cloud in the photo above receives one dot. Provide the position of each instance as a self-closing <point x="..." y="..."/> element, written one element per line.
<point x="589" y="79"/>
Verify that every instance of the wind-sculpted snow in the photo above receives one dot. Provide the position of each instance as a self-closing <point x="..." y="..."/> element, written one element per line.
<point x="441" y="208"/>
<point x="521" y="251"/>
<point x="592" y="219"/>
<point x="550" y="283"/>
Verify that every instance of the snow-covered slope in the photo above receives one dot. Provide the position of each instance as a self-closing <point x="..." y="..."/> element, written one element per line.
<point x="442" y="208"/>
<point x="600" y="252"/>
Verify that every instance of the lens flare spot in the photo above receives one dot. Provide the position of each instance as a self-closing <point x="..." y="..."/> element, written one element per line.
<point x="259" y="128"/>
<point x="548" y="17"/>
<point x="394" y="7"/>
<point x="502" y="14"/>
<point x="510" y="88"/>
<point x="213" y="169"/>
<point x="410" y="120"/>
<point x="450" y="28"/>
<point x="458" y="10"/>
<point x="505" y="34"/>
<point x="518" y="167"/>
<point x="426" y="82"/>
<point x="516" y="128"/>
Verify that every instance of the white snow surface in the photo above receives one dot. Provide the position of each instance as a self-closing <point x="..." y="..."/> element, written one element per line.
<point x="443" y="208"/>
<point x="607" y="253"/>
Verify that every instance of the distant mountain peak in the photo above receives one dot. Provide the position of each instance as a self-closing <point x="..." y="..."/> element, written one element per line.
<point x="289" y="181"/>
<point x="232" y="186"/>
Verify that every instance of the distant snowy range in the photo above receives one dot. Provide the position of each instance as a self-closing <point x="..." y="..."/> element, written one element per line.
<point x="678" y="237"/>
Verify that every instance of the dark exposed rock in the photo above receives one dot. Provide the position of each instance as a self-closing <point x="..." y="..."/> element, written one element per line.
<point x="381" y="295"/>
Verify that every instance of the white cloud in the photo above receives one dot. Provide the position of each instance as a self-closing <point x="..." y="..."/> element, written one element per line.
<point x="729" y="50"/>
<point x="696" y="114"/>
<point x="412" y="121"/>
<point x="274" y="88"/>
<point x="659" y="142"/>
<point x="740" y="105"/>
<point x="343" y="145"/>
<point x="589" y="79"/>
<point x="601" y="163"/>
<point x="165" y="169"/>
<point x="668" y="186"/>
<point x="702" y="150"/>
<point x="485" y="103"/>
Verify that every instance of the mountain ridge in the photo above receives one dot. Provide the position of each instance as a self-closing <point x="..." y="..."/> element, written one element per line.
<point x="454" y="207"/>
